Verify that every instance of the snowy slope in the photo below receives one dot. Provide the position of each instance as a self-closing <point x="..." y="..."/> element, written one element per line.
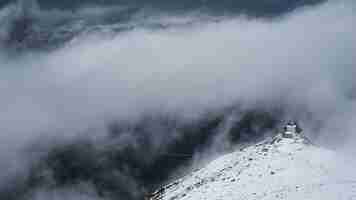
<point x="279" y="168"/>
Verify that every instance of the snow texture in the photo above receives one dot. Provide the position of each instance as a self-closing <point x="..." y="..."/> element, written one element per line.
<point x="275" y="169"/>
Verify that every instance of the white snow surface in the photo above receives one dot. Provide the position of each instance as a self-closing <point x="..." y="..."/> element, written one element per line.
<point x="278" y="168"/>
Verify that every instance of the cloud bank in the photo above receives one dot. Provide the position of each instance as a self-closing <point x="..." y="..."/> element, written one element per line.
<point x="301" y="64"/>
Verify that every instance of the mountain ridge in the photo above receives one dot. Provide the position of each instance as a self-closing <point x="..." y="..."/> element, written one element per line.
<point x="282" y="167"/>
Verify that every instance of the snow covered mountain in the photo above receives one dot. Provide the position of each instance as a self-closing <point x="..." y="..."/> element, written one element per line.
<point x="283" y="167"/>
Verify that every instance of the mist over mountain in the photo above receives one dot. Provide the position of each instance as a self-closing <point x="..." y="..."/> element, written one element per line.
<point x="108" y="100"/>
<point x="266" y="7"/>
<point x="48" y="24"/>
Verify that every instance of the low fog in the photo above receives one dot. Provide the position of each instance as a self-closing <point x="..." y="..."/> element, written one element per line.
<point x="297" y="66"/>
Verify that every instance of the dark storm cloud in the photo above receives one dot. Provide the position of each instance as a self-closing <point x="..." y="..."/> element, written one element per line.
<point x="45" y="24"/>
<point x="252" y="7"/>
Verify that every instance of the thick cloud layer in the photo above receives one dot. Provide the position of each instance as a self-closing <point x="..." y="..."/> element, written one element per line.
<point x="47" y="24"/>
<point x="255" y="8"/>
<point x="118" y="103"/>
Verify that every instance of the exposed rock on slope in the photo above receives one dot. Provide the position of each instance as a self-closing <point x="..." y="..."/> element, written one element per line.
<point x="279" y="168"/>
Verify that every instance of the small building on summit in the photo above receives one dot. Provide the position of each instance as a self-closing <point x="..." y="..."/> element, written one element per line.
<point x="291" y="129"/>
